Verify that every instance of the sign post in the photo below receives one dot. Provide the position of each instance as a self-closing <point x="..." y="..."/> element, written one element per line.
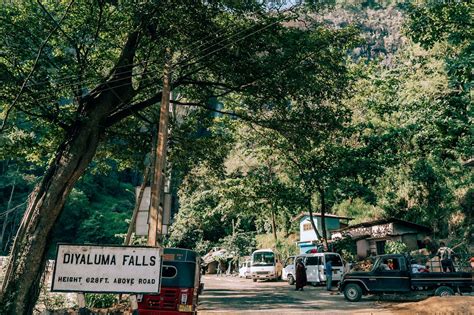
<point x="107" y="269"/>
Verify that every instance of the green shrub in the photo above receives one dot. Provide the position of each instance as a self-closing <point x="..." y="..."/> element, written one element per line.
<point x="100" y="300"/>
<point x="395" y="247"/>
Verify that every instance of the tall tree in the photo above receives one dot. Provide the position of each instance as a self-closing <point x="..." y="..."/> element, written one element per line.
<point x="77" y="71"/>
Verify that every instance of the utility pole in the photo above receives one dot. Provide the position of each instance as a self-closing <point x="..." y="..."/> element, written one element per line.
<point x="155" y="219"/>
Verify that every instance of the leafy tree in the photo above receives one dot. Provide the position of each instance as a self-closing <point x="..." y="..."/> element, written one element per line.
<point x="90" y="70"/>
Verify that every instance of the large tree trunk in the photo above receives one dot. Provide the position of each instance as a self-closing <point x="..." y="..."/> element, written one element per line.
<point x="311" y="216"/>
<point x="22" y="282"/>
<point x="275" y="237"/>
<point x="323" y="217"/>
<point x="22" y="279"/>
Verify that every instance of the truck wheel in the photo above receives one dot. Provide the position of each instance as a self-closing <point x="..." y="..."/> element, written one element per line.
<point x="254" y="280"/>
<point x="352" y="292"/>
<point x="291" y="280"/>
<point x="444" y="291"/>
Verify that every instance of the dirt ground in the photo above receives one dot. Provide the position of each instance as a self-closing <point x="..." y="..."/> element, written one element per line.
<point x="232" y="295"/>
<point x="437" y="305"/>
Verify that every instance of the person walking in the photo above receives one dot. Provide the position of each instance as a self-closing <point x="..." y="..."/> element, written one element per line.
<point x="446" y="256"/>
<point x="300" y="273"/>
<point x="328" y="272"/>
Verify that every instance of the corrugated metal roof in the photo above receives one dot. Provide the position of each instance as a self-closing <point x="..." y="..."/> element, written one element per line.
<point x="385" y="221"/>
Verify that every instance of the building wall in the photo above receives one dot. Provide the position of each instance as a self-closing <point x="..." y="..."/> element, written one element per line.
<point x="306" y="230"/>
<point x="362" y="248"/>
<point x="411" y="241"/>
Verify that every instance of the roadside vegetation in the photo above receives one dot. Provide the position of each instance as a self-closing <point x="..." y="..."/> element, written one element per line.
<point x="361" y="109"/>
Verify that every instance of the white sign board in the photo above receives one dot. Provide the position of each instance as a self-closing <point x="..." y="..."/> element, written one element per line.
<point x="113" y="269"/>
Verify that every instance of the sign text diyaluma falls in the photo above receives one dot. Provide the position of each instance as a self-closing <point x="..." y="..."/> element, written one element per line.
<point x="119" y="269"/>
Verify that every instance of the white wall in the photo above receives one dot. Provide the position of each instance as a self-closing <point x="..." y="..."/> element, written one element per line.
<point x="308" y="235"/>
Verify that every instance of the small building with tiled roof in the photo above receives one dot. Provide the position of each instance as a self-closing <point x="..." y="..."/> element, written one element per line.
<point x="370" y="237"/>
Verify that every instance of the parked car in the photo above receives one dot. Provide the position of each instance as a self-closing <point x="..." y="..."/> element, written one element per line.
<point x="288" y="273"/>
<point x="314" y="264"/>
<point x="399" y="278"/>
<point x="244" y="270"/>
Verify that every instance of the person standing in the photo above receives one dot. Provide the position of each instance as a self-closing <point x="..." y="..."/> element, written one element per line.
<point x="300" y="273"/>
<point x="446" y="256"/>
<point x="328" y="272"/>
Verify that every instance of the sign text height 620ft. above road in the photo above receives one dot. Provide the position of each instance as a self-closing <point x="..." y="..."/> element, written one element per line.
<point x="120" y="269"/>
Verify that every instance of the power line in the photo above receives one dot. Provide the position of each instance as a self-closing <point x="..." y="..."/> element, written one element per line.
<point x="196" y="56"/>
<point x="189" y="47"/>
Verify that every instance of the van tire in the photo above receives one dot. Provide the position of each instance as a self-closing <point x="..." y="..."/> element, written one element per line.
<point x="444" y="291"/>
<point x="353" y="292"/>
<point x="291" y="280"/>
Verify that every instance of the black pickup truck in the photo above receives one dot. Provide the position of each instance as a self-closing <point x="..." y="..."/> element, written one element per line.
<point x="393" y="274"/>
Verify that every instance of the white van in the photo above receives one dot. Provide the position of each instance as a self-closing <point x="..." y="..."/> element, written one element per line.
<point x="265" y="265"/>
<point x="314" y="264"/>
<point x="288" y="273"/>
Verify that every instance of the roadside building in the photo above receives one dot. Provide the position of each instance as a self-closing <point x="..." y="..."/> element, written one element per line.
<point x="370" y="237"/>
<point x="308" y="239"/>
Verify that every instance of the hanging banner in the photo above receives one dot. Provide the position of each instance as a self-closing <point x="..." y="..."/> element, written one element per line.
<point x="107" y="269"/>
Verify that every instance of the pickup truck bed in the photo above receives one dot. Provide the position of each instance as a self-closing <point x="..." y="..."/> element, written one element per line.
<point x="461" y="280"/>
<point x="381" y="280"/>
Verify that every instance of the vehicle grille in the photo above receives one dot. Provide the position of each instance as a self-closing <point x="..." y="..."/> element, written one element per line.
<point x="166" y="300"/>
<point x="262" y="272"/>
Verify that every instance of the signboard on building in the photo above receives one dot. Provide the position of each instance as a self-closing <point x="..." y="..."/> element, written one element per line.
<point x="141" y="225"/>
<point x="112" y="269"/>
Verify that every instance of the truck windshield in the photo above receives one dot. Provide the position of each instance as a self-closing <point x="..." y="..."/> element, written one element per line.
<point x="263" y="259"/>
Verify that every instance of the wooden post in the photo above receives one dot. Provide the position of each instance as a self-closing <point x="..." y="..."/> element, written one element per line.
<point x="156" y="215"/>
<point x="81" y="302"/>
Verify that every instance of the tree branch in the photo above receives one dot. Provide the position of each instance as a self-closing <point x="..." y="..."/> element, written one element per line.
<point x="35" y="64"/>
<point x="205" y="106"/>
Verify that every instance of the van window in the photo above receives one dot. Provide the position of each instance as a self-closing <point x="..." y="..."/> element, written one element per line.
<point x="313" y="261"/>
<point x="336" y="260"/>
<point x="263" y="259"/>
<point x="290" y="261"/>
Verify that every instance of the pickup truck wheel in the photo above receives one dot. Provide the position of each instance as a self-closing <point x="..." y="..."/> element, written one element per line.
<point x="352" y="292"/>
<point x="291" y="280"/>
<point x="444" y="291"/>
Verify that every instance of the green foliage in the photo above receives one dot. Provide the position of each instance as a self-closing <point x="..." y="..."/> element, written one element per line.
<point x="395" y="247"/>
<point x="346" y="116"/>
<point x="358" y="209"/>
<point x="347" y="248"/>
<point x="285" y="245"/>
<point x="100" y="300"/>
<point x="239" y="244"/>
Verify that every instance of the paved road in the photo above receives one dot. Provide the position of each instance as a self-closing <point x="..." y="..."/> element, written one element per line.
<point x="232" y="295"/>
